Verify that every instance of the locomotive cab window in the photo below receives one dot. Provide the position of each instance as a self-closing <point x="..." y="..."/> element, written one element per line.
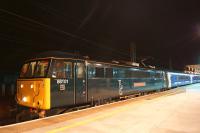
<point x="35" y="69"/>
<point x="24" y="70"/>
<point x="31" y="69"/>
<point x="41" y="70"/>
<point x="62" y="69"/>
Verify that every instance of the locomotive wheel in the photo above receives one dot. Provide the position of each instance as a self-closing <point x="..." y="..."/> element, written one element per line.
<point x="25" y="115"/>
<point x="22" y="116"/>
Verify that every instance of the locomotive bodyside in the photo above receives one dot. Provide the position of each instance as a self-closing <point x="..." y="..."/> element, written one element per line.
<point x="108" y="80"/>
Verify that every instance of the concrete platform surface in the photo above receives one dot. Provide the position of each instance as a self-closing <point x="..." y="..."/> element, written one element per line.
<point x="178" y="113"/>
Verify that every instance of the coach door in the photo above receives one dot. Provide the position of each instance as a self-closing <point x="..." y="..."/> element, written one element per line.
<point x="80" y="82"/>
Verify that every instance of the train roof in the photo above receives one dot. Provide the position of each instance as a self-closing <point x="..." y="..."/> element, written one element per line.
<point x="66" y="55"/>
<point x="57" y="54"/>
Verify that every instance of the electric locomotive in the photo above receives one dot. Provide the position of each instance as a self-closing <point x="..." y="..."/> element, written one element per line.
<point x="62" y="80"/>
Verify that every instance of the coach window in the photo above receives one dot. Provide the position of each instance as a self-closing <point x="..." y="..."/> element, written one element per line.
<point x="99" y="72"/>
<point x="62" y="69"/>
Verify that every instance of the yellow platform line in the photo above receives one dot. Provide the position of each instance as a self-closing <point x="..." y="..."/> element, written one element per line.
<point x="81" y="123"/>
<point x="107" y="115"/>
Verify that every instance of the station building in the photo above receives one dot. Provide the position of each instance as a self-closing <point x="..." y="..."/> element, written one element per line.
<point x="195" y="69"/>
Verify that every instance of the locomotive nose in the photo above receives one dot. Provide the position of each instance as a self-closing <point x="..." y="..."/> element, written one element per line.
<point x="34" y="93"/>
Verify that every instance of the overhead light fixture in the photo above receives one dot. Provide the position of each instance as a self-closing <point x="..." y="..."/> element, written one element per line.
<point x="98" y="64"/>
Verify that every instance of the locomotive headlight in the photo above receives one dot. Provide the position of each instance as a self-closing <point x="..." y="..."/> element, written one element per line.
<point x="21" y="86"/>
<point x="24" y="99"/>
<point x="31" y="86"/>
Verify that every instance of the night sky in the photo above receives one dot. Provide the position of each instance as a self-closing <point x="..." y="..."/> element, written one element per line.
<point x="102" y="29"/>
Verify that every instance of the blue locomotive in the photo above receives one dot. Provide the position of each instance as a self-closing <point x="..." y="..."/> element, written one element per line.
<point x="63" y="80"/>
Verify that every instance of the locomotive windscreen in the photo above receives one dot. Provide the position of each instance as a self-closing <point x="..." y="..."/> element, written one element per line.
<point x="35" y="69"/>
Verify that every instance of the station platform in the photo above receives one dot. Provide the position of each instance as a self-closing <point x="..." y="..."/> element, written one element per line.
<point x="173" y="111"/>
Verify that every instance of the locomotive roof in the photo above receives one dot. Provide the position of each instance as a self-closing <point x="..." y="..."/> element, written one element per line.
<point x="58" y="54"/>
<point x="65" y="55"/>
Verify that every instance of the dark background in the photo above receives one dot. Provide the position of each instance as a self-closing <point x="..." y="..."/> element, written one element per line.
<point x="102" y="29"/>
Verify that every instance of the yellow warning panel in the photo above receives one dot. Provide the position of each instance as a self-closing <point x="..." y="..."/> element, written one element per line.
<point x="34" y="93"/>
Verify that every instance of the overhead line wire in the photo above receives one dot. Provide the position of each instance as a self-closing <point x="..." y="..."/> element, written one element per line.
<point x="58" y="30"/>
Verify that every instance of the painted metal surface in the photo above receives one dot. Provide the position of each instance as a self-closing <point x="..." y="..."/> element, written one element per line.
<point x="88" y="81"/>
